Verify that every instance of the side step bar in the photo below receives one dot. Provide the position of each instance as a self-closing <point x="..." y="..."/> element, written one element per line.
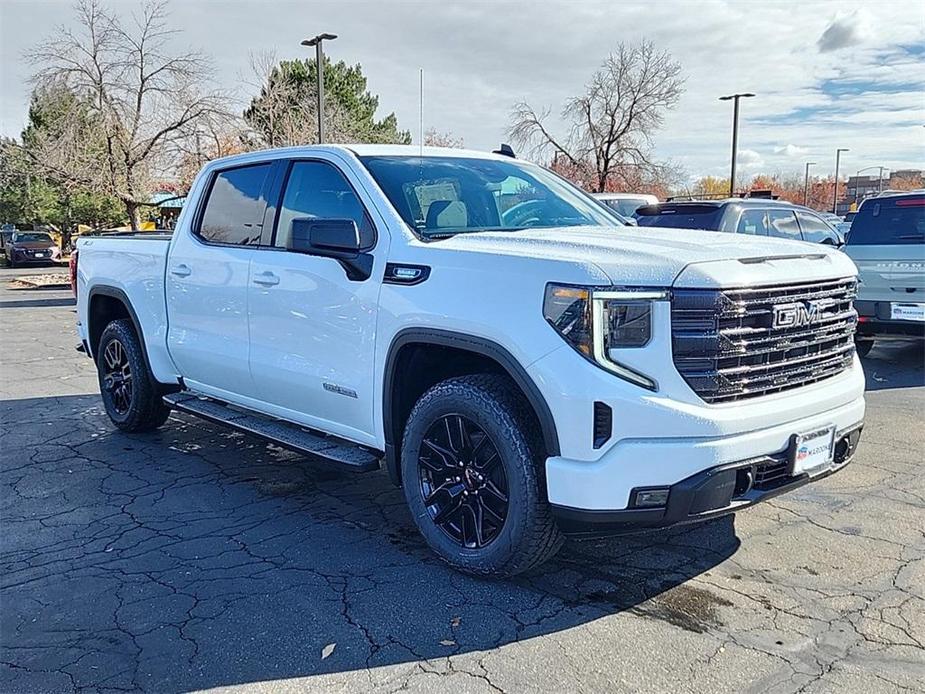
<point x="291" y="436"/>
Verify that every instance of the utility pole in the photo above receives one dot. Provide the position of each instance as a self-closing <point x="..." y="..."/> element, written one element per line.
<point x="806" y="182"/>
<point x="735" y="135"/>
<point x="837" y="162"/>
<point x="319" y="69"/>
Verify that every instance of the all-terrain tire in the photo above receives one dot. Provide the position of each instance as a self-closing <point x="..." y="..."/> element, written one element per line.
<point x="529" y="535"/>
<point x="142" y="409"/>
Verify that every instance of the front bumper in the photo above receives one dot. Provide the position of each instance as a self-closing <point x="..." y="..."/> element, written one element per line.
<point x="711" y="493"/>
<point x="32" y="260"/>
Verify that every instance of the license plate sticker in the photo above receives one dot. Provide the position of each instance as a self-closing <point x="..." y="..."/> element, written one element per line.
<point x="813" y="450"/>
<point x="914" y="312"/>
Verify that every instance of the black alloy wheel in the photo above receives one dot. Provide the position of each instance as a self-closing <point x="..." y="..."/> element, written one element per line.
<point x="462" y="481"/>
<point x="117" y="376"/>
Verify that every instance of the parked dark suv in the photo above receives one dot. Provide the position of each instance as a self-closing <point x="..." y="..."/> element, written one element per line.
<point x="758" y="217"/>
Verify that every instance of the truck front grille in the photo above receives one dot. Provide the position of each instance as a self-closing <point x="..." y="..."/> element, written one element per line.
<point x="731" y="344"/>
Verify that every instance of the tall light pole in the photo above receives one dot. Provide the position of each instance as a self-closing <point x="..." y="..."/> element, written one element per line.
<point x="837" y="161"/>
<point x="806" y="182"/>
<point x="735" y="135"/>
<point x="319" y="68"/>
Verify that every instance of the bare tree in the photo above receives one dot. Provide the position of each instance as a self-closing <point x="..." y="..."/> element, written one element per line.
<point x="142" y="101"/>
<point x="434" y="138"/>
<point x="609" y="127"/>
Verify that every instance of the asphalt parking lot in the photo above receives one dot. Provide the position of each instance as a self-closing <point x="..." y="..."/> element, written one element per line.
<point x="194" y="558"/>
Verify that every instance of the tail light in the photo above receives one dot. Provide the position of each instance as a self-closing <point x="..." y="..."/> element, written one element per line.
<point x="72" y="268"/>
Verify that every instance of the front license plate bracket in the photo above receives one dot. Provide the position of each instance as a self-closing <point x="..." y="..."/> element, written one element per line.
<point x="813" y="450"/>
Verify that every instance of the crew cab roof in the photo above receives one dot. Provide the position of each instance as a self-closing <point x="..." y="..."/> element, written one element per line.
<point x="358" y="150"/>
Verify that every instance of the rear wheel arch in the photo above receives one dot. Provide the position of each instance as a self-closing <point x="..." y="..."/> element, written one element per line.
<point x="418" y="358"/>
<point x="105" y="305"/>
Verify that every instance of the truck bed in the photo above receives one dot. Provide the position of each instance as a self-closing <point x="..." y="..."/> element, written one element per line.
<point x="133" y="266"/>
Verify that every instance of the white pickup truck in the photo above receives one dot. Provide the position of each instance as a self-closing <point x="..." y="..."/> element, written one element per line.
<point x="525" y="366"/>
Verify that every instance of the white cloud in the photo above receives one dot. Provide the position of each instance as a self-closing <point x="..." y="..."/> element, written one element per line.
<point x="842" y="33"/>
<point x="791" y="150"/>
<point x="749" y="160"/>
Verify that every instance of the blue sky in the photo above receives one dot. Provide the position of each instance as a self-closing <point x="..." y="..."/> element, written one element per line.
<point x="826" y="74"/>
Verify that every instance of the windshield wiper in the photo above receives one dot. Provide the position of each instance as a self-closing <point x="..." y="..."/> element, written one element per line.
<point x="472" y="230"/>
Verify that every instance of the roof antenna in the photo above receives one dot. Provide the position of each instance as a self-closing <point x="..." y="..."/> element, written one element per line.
<point x="421" y="99"/>
<point x="505" y="151"/>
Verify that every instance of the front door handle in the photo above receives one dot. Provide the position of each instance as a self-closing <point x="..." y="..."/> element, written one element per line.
<point x="266" y="279"/>
<point x="181" y="270"/>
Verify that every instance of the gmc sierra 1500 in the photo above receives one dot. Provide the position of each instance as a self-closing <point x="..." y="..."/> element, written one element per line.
<point x="525" y="365"/>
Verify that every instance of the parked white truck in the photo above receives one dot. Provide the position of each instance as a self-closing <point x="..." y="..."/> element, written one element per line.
<point x="525" y="365"/>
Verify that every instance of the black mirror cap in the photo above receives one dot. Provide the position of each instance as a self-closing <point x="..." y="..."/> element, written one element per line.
<point x="329" y="237"/>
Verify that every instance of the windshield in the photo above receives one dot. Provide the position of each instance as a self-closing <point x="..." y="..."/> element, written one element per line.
<point x="444" y="196"/>
<point x="680" y="216"/>
<point x="888" y="222"/>
<point x="26" y="237"/>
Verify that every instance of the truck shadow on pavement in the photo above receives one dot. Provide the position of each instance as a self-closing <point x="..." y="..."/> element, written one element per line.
<point x="193" y="557"/>
<point x="899" y="364"/>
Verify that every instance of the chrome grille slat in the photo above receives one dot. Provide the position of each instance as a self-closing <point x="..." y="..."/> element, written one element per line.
<point x="770" y="346"/>
<point x="726" y="349"/>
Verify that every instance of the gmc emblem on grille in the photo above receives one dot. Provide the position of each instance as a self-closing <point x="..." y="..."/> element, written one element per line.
<point x="796" y="315"/>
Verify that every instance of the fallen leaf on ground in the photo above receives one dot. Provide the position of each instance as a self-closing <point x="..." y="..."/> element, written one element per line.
<point x="455" y="622"/>
<point x="327" y="650"/>
<point x="447" y="642"/>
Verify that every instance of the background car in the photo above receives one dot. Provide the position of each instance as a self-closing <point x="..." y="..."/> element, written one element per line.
<point x="887" y="243"/>
<point x="758" y="217"/>
<point x="626" y="203"/>
<point x="31" y="247"/>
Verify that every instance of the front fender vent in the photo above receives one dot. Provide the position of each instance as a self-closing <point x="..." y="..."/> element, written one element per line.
<point x="603" y="424"/>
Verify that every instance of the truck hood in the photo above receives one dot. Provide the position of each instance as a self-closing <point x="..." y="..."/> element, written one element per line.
<point x="656" y="257"/>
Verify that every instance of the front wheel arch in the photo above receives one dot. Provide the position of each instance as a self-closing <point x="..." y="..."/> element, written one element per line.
<point x="474" y="355"/>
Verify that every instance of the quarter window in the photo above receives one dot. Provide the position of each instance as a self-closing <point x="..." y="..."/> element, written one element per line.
<point x="234" y="210"/>
<point x="783" y="224"/>
<point x="319" y="191"/>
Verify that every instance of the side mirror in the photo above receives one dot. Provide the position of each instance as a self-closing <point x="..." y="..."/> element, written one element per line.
<point x="332" y="238"/>
<point x="631" y="222"/>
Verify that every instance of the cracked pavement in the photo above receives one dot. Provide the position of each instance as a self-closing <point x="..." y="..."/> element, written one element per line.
<point x="193" y="558"/>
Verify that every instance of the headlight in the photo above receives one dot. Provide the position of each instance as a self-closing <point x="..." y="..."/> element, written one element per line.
<point x="595" y="321"/>
<point x="568" y="310"/>
<point x="626" y="323"/>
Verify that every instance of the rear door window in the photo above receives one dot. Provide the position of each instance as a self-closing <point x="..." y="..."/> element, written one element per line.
<point x="814" y="228"/>
<point x="754" y="222"/>
<point x="680" y="216"/>
<point x="783" y="224"/>
<point x="888" y="222"/>
<point x="235" y="207"/>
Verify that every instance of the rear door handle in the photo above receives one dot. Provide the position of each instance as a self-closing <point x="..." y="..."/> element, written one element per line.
<point x="181" y="270"/>
<point x="266" y="279"/>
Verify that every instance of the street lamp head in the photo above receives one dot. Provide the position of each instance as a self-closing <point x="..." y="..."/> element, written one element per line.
<point x="317" y="39"/>
<point x="842" y="149"/>
<point x="735" y="96"/>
